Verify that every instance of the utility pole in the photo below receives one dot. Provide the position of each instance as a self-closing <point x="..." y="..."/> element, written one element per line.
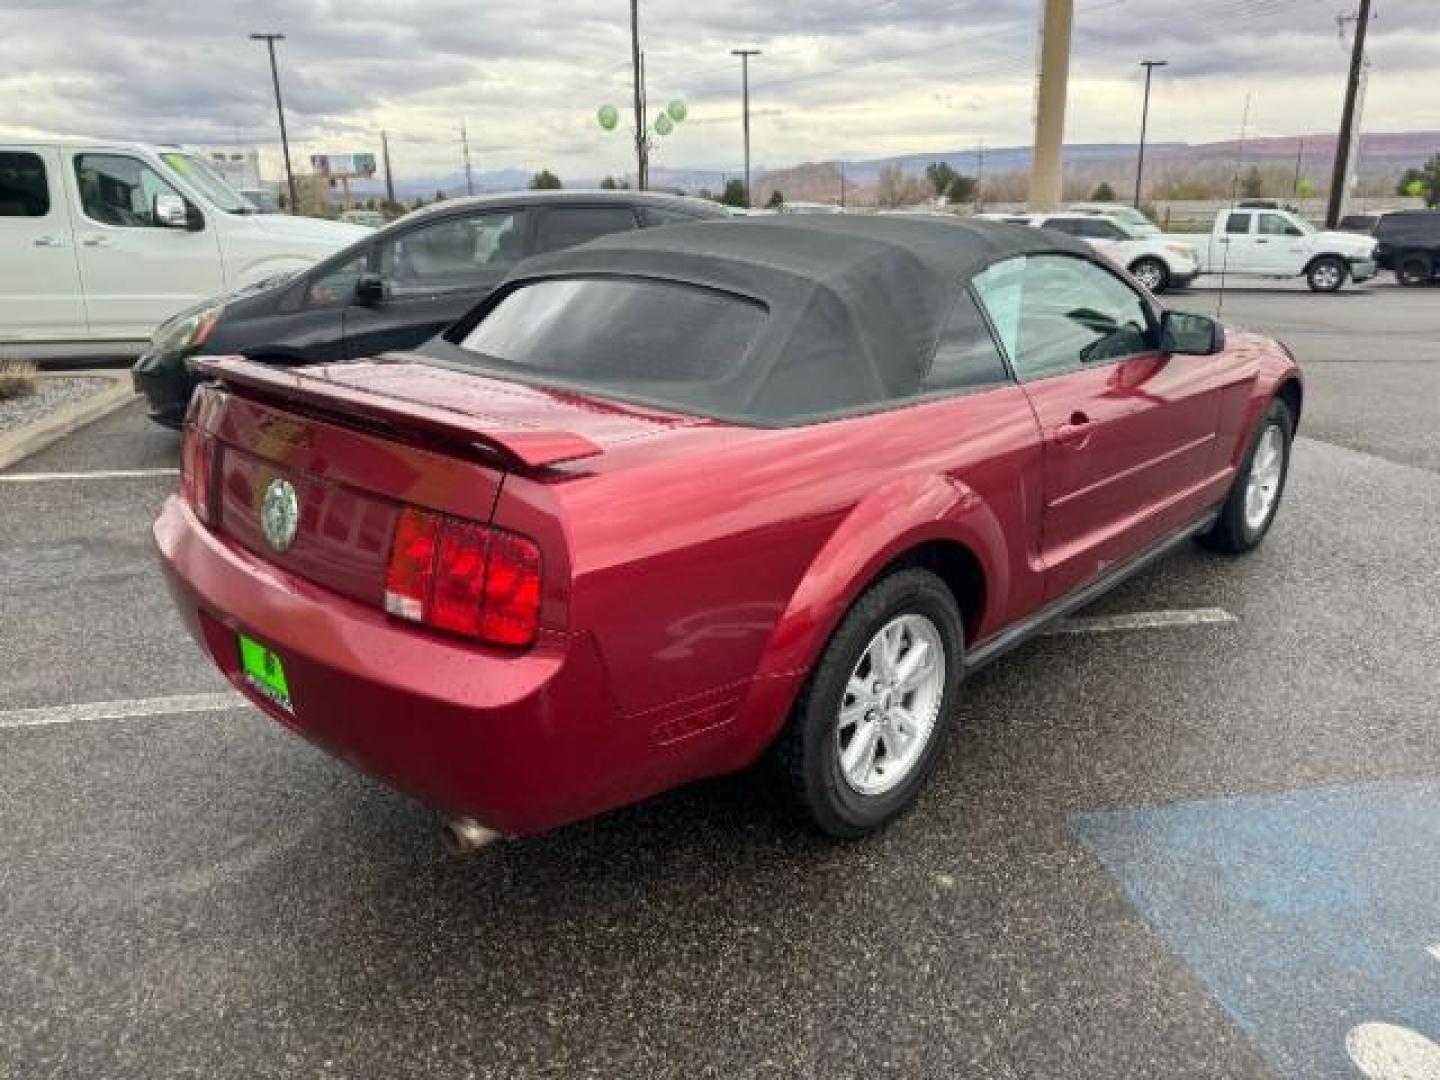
<point x="842" y="183"/>
<point x="1149" y="66"/>
<point x="270" y="40"/>
<point x="465" y="149"/>
<point x="979" y="174"/>
<point x="1054" y="76"/>
<point x="389" y="176"/>
<point x="744" y="55"/>
<point x="642" y="147"/>
<point x="1299" y="160"/>
<point x="1339" y="179"/>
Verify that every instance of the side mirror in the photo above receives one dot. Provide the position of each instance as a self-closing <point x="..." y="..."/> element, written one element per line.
<point x="170" y="212"/>
<point x="371" y="288"/>
<point x="1190" y="335"/>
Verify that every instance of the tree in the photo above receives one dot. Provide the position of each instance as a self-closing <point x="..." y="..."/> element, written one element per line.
<point x="893" y="188"/>
<point x="1253" y="185"/>
<point x="545" y="180"/>
<point x="734" y="193"/>
<point x="942" y="176"/>
<point x="439" y="195"/>
<point x="1103" y="192"/>
<point x="776" y="200"/>
<point x="961" y="189"/>
<point x="1423" y="182"/>
<point x="608" y="184"/>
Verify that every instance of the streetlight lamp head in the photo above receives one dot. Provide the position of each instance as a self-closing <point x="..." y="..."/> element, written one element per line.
<point x="267" y="37"/>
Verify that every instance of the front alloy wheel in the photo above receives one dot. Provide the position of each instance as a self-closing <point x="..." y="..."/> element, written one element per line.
<point x="1151" y="273"/>
<point x="864" y="733"/>
<point x="1249" y="509"/>
<point x="1326" y="274"/>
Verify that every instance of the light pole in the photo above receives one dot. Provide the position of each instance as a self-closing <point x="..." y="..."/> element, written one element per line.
<point x="745" y="55"/>
<point x="1149" y="66"/>
<point x="270" y="40"/>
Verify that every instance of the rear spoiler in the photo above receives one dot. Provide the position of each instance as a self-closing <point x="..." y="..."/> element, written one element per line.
<point x="530" y="446"/>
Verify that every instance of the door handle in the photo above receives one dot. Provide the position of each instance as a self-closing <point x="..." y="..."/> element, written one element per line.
<point x="96" y="241"/>
<point x="48" y="241"/>
<point x="1076" y="433"/>
<point x="1262" y="241"/>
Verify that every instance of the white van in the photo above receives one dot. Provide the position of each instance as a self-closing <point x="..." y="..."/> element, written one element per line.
<point x="101" y="242"/>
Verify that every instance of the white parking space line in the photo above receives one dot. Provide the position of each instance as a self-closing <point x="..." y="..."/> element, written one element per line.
<point x="180" y="704"/>
<point x="49" y="715"/>
<point x="1142" y="620"/>
<point x="103" y="474"/>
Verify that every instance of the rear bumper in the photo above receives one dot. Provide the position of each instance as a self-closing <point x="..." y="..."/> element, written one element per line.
<point x="166" y="384"/>
<point x="520" y="742"/>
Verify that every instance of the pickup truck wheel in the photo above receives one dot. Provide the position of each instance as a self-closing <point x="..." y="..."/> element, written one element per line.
<point x="1254" y="497"/>
<point x="1152" y="273"/>
<point x="863" y="737"/>
<point x="1326" y="274"/>
<point x="1414" y="270"/>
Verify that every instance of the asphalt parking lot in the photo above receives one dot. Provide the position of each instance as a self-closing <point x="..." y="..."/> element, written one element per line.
<point x="1206" y="849"/>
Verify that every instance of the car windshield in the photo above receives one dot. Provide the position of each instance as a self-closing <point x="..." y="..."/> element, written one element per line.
<point x="677" y="345"/>
<point x="209" y="183"/>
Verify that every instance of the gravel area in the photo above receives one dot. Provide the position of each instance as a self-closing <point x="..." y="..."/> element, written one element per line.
<point x="50" y="394"/>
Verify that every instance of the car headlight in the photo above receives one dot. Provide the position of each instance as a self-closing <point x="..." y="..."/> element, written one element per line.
<point x="186" y="332"/>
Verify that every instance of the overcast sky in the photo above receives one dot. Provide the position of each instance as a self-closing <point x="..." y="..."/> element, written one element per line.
<point x="859" y="78"/>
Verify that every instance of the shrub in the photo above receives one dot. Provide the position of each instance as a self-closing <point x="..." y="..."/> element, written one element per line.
<point x="17" y="378"/>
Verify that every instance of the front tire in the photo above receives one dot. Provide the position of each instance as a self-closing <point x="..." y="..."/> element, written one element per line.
<point x="864" y="734"/>
<point x="1152" y="273"/>
<point x="1326" y="274"/>
<point x="1414" y="270"/>
<point x="1254" y="497"/>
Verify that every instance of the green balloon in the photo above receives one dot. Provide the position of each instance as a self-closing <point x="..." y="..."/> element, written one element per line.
<point x="663" y="126"/>
<point x="608" y="116"/>
<point x="677" y="110"/>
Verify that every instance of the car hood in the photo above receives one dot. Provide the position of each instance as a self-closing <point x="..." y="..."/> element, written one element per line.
<point x="313" y="230"/>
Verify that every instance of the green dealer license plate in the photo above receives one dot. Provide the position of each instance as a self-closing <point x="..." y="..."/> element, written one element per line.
<point x="264" y="671"/>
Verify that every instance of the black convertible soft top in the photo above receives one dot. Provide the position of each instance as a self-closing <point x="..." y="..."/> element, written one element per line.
<point x="855" y="303"/>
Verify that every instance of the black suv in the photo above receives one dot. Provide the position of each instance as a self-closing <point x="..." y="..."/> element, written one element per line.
<point x="393" y="290"/>
<point x="1409" y="244"/>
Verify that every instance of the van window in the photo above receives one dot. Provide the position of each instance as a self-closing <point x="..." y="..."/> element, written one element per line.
<point x="119" y="190"/>
<point x="24" y="191"/>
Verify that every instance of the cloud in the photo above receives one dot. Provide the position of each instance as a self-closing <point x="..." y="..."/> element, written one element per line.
<point x="852" y="77"/>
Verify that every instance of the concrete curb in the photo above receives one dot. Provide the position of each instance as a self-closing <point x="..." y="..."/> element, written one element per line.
<point x="22" y="442"/>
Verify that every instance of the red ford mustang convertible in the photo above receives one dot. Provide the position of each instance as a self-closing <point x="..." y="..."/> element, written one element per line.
<point x="674" y="502"/>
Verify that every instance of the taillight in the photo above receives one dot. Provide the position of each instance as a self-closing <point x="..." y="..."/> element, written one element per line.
<point x="464" y="578"/>
<point x="197" y="452"/>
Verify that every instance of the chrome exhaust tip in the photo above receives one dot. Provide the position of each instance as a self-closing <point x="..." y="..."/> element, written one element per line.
<point x="465" y="836"/>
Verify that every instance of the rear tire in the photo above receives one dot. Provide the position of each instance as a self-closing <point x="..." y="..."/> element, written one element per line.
<point x="1414" y="270"/>
<point x="1326" y="274"/>
<point x="1241" y="524"/>
<point x="1152" y="273"/>
<point x="848" y="762"/>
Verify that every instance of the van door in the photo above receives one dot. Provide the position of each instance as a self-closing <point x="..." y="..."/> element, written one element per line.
<point x="40" y="297"/>
<point x="136" y="271"/>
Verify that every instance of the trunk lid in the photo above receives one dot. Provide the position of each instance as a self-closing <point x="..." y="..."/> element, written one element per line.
<point x="358" y="443"/>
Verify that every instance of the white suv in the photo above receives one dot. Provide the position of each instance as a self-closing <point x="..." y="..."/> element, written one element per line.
<point x="1158" y="263"/>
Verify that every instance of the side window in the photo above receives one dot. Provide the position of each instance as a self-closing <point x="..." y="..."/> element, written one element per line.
<point x="119" y="190"/>
<point x="24" y="191"/>
<point x="652" y="216"/>
<point x="454" y="252"/>
<point x="1056" y="314"/>
<point x="336" y="286"/>
<point x="1274" y="225"/>
<point x="966" y="355"/>
<point x="1237" y="224"/>
<point x="1100" y="229"/>
<point x="563" y="227"/>
<point x="1068" y="226"/>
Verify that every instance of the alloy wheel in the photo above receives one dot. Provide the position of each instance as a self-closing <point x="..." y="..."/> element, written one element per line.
<point x="890" y="705"/>
<point x="1267" y="470"/>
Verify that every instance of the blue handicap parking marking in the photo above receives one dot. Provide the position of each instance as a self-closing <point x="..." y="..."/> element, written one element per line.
<point x="1313" y="916"/>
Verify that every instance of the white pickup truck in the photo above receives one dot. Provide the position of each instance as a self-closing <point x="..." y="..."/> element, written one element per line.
<point x="1262" y="242"/>
<point x="101" y="242"/>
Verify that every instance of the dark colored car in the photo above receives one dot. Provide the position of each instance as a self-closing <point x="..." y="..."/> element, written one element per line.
<point x="671" y="503"/>
<point x="392" y="290"/>
<point x="1408" y="243"/>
